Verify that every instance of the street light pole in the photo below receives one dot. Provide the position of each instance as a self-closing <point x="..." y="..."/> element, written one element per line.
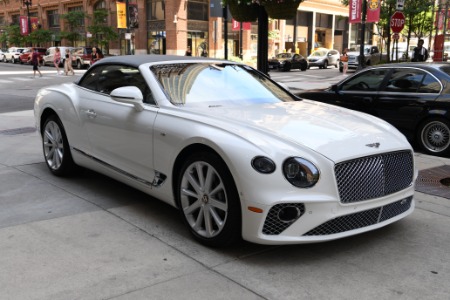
<point x="28" y="3"/>
<point x="362" y="58"/>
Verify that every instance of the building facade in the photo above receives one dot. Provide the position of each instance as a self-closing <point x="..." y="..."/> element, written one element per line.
<point x="170" y="26"/>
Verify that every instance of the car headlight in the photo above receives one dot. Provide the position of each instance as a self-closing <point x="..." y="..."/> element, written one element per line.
<point x="282" y="62"/>
<point x="263" y="164"/>
<point x="300" y="172"/>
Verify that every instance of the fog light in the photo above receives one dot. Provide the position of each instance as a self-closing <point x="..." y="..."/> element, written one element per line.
<point x="289" y="214"/>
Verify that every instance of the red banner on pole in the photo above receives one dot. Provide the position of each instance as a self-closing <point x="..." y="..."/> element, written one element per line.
<point x="354" y="15"/>
<point x="373" y="11"/>
<point x="34" y="23"/>
<point x="235" y="25"/>
<point x="23" y="21"/>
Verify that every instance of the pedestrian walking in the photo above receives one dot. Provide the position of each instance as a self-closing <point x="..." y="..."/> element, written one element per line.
<point x="68" y="63"/>
<point x="57" y="59"/>
<point x="344" y="60"/>
<point x="420" y="53"/>
<point x="94" y="55"/>
<point x="34" y="59"/>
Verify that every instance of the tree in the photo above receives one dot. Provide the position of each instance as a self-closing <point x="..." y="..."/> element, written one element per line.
<point x="14" y="36"/>
<point x="419" y="16"/>
<point x="75" y="25"/>
<point x="40" y="36"/>
<point x="101" y="32"/>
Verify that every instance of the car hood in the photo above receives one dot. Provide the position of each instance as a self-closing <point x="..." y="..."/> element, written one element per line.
<point x="356" y="53"/>
<point x="337" y="133"/>
<point x="316" y="57"/>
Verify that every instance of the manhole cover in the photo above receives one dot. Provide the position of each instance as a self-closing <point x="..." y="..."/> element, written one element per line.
<point x="18" y="131"/>
<point x="434" y="181"/>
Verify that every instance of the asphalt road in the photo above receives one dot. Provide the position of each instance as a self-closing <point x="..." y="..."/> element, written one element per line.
<point x="89" y="237"/>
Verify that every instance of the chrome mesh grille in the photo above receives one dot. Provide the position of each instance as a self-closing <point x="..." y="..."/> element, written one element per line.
<point x="273" y="225"/>
<point x="374" y="176"/>
<point x="362" y="219"/>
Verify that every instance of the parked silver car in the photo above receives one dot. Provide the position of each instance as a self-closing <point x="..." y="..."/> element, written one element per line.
<point x="323" y="58"/>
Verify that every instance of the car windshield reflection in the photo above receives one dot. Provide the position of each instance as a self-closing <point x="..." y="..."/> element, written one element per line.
<point x="217" y="84"/>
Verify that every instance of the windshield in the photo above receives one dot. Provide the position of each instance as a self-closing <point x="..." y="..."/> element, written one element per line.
<point x="217" y="84"/>
<point x="284" y="55"/>
<point x="319" y="53"/>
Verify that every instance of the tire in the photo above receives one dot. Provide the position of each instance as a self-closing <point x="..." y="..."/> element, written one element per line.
<point x="56" y="148"/>
<point x="287" y="67"/>
<point x="341" y="69"/>
<point x="303" y="68"/>
<point x="79" y="65"/>
<point x="325" y="65"/>
<point x="208" y="200"/>
<point x="433" y="136"/>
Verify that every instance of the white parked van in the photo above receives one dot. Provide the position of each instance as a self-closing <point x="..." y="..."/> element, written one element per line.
<point x="50" y="54"/>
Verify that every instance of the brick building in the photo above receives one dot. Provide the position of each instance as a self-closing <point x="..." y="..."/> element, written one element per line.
<point x="169" y="26"/>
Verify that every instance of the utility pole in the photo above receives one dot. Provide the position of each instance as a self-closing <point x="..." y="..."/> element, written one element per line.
<point x="362" y="60"/>
<point x="28" y="3"/>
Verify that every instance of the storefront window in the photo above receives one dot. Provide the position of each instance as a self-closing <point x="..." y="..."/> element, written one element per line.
<point x="157" y="42"/>
<point x="198" y="42"/>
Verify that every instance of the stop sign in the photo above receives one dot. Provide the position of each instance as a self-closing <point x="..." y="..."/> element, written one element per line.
<point x="397" y="22"/>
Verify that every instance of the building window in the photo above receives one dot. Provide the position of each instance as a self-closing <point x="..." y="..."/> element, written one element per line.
<point x="198" y="10"/>
<point x="155" y="10"/>
<point x="77" y="9"/>
<point x="100" y="5"/>
<point x="53" y="18"/>
<point x="15" y="19"/>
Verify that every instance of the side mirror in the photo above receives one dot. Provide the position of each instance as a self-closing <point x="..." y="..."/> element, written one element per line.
<point x="130" y="95"/>
<point x="334" y="88"/>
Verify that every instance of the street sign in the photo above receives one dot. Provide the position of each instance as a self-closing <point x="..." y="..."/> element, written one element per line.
<point x="395" y="36"/>
<point x="397" y="22"/>
<point x="400" y="4"/>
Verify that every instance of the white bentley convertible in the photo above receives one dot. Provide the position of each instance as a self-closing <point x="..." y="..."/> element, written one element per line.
<point x="236" y="153"/>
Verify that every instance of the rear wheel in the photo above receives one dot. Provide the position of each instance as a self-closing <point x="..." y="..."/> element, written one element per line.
<point x="208" y="200"/>
<point x="433" y="136"/>
<point x="56" y="147"/>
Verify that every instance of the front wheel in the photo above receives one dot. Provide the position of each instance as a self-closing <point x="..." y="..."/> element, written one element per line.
<point x="208" y="200"/>
<point x="434" y="136"/>
<point x="79" y="66"/>
<point x="56" y="147"/>
<point x="325" y="65"/>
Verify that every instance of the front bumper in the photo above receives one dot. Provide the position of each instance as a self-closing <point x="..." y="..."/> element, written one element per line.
<point x="326" y="221"/>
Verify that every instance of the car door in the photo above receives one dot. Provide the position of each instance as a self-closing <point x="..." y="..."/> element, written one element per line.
<point x="332" y="57"/>
<point x="405" y="97"/>
<point x="360" y="91"/>
<point x="121" y="137"/>
<point x="296" y="61"/>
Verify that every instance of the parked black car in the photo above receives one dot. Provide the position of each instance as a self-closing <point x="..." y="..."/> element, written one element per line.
<point x="414" y="97"/>
<point x="287" y="62"/>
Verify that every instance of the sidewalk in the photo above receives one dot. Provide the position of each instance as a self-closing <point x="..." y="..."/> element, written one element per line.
<point x="90" y="237"/>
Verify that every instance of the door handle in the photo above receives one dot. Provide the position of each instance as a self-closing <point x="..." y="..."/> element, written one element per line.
<point x="91" y="114"/>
